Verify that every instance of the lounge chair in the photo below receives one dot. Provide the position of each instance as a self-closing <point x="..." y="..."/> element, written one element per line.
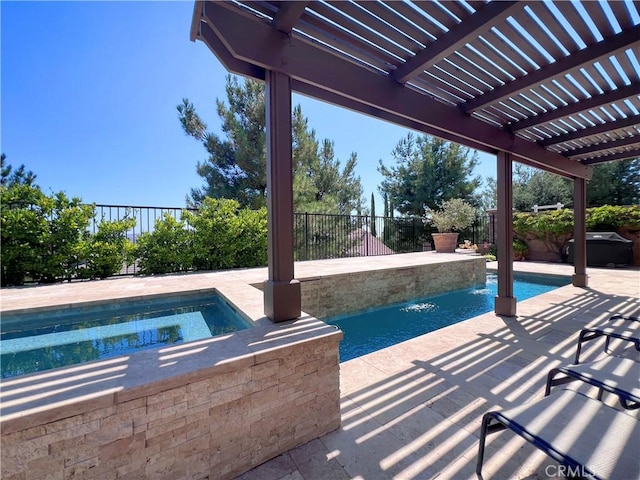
<point x="620" y="376"/>
<point x="589" y="438"/>
<point x="619" y="326"/>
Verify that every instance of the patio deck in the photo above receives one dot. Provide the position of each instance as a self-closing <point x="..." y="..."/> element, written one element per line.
<point x="413" y="411"/>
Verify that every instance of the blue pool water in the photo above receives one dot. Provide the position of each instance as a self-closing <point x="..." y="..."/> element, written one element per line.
<point x="61" y="337"/>
<point x="374" y="329"/>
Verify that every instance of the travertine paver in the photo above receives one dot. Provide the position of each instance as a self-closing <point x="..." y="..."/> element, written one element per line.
<point x="413" y="411"/>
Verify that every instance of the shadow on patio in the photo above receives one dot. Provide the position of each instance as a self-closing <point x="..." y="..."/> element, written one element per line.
<point x="413" y="411"/>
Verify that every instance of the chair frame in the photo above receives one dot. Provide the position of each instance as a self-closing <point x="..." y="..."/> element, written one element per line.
<point x="496" y="421"/>
<point x="591" y="333"/>
<point x="588" y="373"/>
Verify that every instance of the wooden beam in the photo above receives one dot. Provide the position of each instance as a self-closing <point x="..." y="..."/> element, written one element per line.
<point x="288" y="15"/>
<point x="596" y="101"/>
<point x="626" y="155"/>
<point x="372" y="111"/>
<point x="467" y="30"/>
<point x="580" y="277"/>
<point x="198" y="13"/>
<point x="282" y="300"/>
<point x="609" y="46"/>
<point x="219" y="49"/>
<point x="607" y="127"/>
<point x="505" y="303"/>
<point x="340" y="77"/>
<point x="603" y="147"/>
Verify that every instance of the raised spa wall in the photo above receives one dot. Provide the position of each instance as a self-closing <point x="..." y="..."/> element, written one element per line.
<point x="213" y="408"/>
<point x="193" y="411"/>
<point x="325" y="296"/>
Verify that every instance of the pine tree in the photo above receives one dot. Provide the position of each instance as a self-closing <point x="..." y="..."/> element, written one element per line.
<point x="9" y="176"/>
<point x="428" y="171"/>
<point x="373" y="216"/>
<point x="236" y="165"/>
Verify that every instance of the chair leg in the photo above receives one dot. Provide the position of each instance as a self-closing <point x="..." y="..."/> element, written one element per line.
<point x="486" y="427"/>
<point x="547" y="389"/>
<point x="585" y="336"/>
<point x="552" y="381"/>
<point x="483" y="436"/>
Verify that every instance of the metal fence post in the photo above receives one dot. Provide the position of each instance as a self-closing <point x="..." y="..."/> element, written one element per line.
<point x="306" y="235"/>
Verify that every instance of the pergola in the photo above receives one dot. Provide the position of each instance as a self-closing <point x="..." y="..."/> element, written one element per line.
<point x="551" y="84"/>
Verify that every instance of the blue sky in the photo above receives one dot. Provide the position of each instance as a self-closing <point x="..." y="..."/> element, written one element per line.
<point x="89" y="96"/>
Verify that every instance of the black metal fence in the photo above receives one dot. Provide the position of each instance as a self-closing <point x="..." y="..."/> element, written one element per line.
<point x="320" y="236"/>
<point x="145" y="216"/>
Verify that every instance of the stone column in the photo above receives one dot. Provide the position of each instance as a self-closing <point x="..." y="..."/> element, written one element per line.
<point x="580" y="277"/>
<point x="282" y="299"/>
<point x="505" y="302"/>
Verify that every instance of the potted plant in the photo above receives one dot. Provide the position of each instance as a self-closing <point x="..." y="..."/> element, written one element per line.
<point x="452" y="216"/>
<point x="520" y="249"/>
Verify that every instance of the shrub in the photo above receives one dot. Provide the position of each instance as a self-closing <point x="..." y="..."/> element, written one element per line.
<point x="520" y="248"/>
<point x="611" y="218"/>
<point x="45" y="239"/>
<point x="42" y="236"/>
<point x="252" y="239"/>
<point x="106" y="252"/>
<point x="554" y="228"/>
<point x="226" y="236"/>
<point x="219" y="235"/>
<point x="454" y="214"/>
<point x="167" y="249"/>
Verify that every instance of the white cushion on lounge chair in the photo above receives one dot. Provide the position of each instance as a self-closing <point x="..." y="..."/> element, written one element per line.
<point x="574" y="430"/>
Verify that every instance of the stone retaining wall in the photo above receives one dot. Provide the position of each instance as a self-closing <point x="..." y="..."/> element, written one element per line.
<point x="332" y="295"/>
<point x="213" y="408"/>
<point x="216" y="422"/>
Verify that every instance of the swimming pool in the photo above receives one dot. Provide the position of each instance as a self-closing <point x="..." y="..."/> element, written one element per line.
<point x="34" y="342"/>
<point x="373" y="329"/>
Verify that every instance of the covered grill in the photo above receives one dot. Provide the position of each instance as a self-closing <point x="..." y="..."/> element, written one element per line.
<point x="605" y="249"/>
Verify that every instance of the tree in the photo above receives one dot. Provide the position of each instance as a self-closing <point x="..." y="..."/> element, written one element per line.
<point x="428" y="171"/>
<point x="386" y="205"/>
<point x="532" y="186"/>
<point x="489" y="194"/>
<point x="614" y="183"/>
<point x="321" y="185"/>
<point x="10" y="177"/>
<point x="373" y="216"/>
<point x="236" y="166"/>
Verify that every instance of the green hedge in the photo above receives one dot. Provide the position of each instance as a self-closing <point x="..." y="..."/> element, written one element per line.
<point x="45" y="239"/>
<point x="219" y="235"/>
<point x="555" y="227"/>
<point x="560" y="222"/>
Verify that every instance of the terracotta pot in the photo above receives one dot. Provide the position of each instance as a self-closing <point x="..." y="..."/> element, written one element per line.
<point x="445" y="242"/>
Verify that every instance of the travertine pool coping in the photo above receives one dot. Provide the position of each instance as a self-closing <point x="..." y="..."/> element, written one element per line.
<point x="49" y="394"/>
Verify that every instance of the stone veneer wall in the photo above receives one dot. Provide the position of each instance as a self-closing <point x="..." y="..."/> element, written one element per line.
<point x="217" y="422"/>
<point x="332" y="295"/>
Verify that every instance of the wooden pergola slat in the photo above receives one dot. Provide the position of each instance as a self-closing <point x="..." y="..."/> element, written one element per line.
<point x="453" y="40"/>
<point x="622" y="41"/>
<point x="509" y="78"/>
